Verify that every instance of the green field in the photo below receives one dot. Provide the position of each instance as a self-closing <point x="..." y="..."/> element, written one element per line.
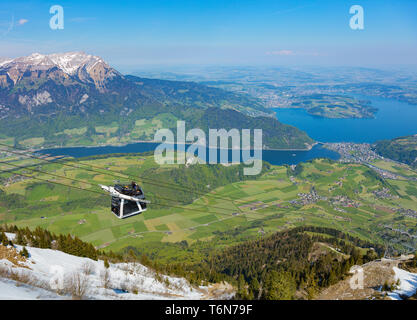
<point x="397" y="168"/>
<point x="346" y="201"/>
<point x="335" y="106"/>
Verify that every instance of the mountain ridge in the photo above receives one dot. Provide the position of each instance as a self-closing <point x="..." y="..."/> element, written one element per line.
<point x="41" y="96"/>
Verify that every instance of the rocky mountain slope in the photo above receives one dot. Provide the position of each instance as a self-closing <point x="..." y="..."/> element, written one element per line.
<point x="86" y="68"/>
<point x="75" y="82"/>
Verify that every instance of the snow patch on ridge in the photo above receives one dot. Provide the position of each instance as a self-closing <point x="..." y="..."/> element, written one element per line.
<point x="69" y="62"/>
<point x="408" y="284"/>
<point x="4" y="61"/>
<point x="84" y="98"/>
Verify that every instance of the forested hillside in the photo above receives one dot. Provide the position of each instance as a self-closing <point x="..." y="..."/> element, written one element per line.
<point x="402" y="149"/>
<point x="199" y="179"/>
<point x="296" y="263"/>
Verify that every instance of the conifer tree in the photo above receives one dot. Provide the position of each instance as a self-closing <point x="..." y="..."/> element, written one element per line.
<point x="19" y="238"/>
<point x="24" y="253"/>
<point x="4" y="240"/>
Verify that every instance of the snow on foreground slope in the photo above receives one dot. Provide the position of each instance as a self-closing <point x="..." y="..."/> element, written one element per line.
<point x="50" y="271"/>
<point x="407" y="286"/>
<point x="12" y="290"/>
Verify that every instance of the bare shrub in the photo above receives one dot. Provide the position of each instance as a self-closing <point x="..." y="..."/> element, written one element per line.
<point x="134" y="289"/>
<point x="158" y="277"/>
<point x="22" y="276"/>
<point x="13" y="274"/>
<point x="4" y="271"/>
<point x="41" y="284"/>
<point x="87" y="268"/>
<point x="105" y="278"/>
<point x="77" y="285"/>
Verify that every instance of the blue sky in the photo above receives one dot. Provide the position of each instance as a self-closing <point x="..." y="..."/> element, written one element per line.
<point x="130" y="34"/>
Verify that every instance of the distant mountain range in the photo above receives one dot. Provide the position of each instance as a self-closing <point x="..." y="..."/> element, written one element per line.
<point x="78" y="99"/>
<point x="75" y="81"/>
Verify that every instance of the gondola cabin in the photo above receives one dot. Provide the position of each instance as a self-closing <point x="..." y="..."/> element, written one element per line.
<point x="126" y="200"/>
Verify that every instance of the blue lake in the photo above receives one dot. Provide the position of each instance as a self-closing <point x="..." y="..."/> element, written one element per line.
<point x="393" y="119"/>
<point x="272" y="156"/>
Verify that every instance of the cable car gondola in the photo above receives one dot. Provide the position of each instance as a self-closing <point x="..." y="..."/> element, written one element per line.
<point x="126" y="200"/>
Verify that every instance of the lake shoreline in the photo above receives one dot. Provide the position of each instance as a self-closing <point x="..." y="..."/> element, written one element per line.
<point x="308" y="148"/>
<point x="274" y="157"/>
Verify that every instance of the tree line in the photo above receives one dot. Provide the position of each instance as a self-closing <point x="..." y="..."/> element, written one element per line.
<point x="279" y="266"/>
<point x="42" y="238"/>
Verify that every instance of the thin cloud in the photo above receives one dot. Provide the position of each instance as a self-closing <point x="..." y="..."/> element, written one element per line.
<point x="280" y="53"/>
<point x="293" y="53"/>
<point x="21" y="22"/>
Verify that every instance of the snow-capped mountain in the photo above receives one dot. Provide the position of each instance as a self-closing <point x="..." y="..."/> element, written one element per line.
<point x="41" y="84"/>
<point x="84" y="67"/>
<point x="76" y="83"/>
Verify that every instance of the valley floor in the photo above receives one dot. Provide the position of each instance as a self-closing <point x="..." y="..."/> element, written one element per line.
<point x="350" y="197"/>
